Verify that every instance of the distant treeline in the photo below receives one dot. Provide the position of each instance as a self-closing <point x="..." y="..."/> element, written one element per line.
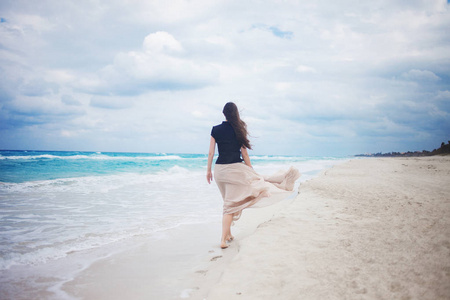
<point x="444" y="149"/>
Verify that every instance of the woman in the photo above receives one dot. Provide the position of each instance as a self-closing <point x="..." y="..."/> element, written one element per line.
<point x="239" y="184"/>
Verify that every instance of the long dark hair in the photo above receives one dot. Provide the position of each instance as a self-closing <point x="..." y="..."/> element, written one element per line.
<point x="231" y="112"/>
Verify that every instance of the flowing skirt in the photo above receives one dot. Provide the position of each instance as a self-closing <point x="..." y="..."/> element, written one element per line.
<point x="242" y="187"/>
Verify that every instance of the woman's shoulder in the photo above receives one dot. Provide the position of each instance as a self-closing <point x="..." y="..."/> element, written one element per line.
<point x="223" y="124"/>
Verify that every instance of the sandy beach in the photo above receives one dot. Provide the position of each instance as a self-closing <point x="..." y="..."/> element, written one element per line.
<point x="376" y="228"/>
<point x="366" y="229"/>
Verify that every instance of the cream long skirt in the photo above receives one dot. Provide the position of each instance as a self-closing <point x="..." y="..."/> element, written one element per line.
<point x="242" y="187"/>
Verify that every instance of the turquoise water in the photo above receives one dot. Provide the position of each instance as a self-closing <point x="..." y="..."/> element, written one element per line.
<point x="21" y="166"/>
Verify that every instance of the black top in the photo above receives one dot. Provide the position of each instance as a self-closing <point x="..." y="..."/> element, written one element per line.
<point x="229" y="147"/>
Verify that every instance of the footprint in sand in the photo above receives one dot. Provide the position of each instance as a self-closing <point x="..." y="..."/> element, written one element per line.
<point x="216" y="258"/>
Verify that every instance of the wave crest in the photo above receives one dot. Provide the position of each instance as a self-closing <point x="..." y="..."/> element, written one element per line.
<point x="94" y="157"/>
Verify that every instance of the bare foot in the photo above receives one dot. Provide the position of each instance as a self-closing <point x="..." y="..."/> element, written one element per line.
<point x="223" y="245"/>
<point x="230" y="238"/>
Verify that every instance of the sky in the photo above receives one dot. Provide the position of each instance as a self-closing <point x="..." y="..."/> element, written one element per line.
<point x="310" y="78"/>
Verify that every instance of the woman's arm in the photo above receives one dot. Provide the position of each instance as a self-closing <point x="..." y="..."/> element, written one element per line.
<point x="212" y="149"/>
<point x="246" y="157"/>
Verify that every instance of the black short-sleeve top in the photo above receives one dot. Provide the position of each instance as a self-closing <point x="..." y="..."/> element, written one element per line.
<point x="227" y="143"/>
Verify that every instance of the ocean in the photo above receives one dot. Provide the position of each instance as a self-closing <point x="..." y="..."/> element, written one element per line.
<point x="57" y="203"/>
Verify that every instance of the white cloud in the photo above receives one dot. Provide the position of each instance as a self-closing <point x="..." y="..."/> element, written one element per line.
<point x="161" y="42"/>
<point x="305" y="69"/>
<point x="162" y="12"/>
<point x="420" y="75"/>
<point x="31" y="22"/>
<point x="69" y="100"/>
<point x="160" y="65"/>
<point x="110" y="102"/>
<point x="27" y="111"/>
<point x="443" y="95"/>
<point x="197" y="114"/>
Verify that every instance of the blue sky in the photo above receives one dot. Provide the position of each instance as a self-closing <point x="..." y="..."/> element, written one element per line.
<point x="310" y="77"/>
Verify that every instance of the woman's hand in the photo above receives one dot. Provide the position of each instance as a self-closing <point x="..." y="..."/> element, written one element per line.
<point x="209" y="176"/>
<point x="212" y="149"/>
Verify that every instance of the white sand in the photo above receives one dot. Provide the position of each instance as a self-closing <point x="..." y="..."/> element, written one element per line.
<point x="366" y="229"/>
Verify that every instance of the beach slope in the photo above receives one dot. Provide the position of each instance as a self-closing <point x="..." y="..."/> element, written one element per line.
<point x="375" y="228"/>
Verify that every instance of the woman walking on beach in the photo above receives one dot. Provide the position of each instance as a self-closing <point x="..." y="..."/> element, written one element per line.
<point x="239" y="184"/>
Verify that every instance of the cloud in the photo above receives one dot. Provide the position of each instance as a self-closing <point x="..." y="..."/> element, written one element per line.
<point x="38" y="87"/>
<point x="69" y="100"/>
<point x="161" y="42"/>
<point x="420" y="75"/>
<point x="160" y="65"/>
<point x="29" y="111"/>
<point x="443" y="95"/>
<point x="110" y="102"/>
<point x="305" y="69"/>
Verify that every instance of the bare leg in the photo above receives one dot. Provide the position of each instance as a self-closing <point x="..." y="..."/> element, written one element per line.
<point x="226" y="230"/>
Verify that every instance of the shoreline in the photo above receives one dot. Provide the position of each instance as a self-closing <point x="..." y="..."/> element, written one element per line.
<point x="375" y="228"/>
